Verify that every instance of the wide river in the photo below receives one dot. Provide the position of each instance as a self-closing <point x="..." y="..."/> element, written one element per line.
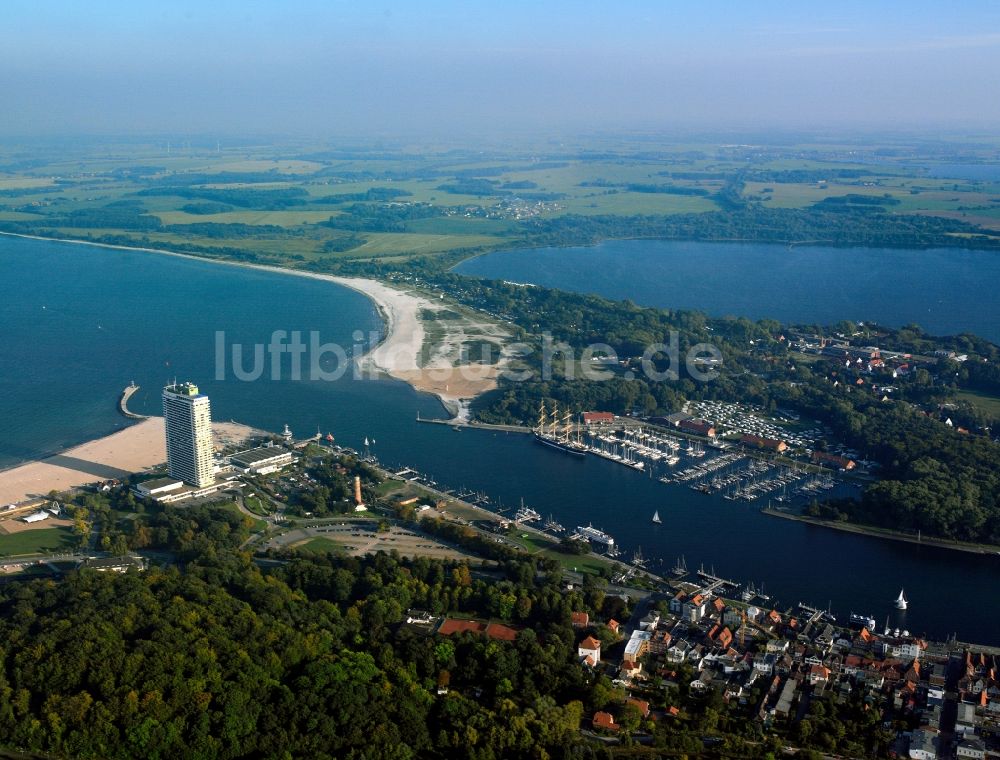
<point x="945" y="291"/>
<point x="77" y="323"/>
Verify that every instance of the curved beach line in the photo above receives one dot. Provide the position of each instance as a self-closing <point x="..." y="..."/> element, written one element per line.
<point x="396" y="353"/>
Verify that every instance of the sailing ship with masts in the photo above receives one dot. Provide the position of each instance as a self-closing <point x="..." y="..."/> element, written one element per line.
<point x="555" y="431"/>
<point x="681" y="568"/>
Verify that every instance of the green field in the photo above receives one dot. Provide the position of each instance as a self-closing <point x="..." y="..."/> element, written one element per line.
<point x="279" y="218"/>
<point x="36" y="541"/>
<point x="389" y="486"/>
<point x="278" y="197"/>
<point x="983" y="401"/>
<point x="581" y="563"/>
<point x="256" y="505"/>
<point x="320" y="545"/>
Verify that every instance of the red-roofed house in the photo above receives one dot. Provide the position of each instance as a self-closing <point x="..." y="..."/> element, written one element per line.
<point x="614" y="625"/>
<point x="832" y="460"/>
<point x="579" y="619"/>
<point x="698" y="427"/>
<point x="819" y="674"/>
<point x="604" y="722"/>
<point x="770" y="444"/>
<point x="598" y="418"/>
<point x="590" y="647"/>
<point x="496" y="631"/>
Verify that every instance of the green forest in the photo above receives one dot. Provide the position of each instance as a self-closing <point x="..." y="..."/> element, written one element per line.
<point x="215" y="655"/>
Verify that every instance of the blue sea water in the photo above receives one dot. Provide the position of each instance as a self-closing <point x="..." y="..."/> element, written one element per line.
<point x="77" y="323"/>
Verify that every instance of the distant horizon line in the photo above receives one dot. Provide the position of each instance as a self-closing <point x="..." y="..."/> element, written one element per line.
<point x="760" y="133"/>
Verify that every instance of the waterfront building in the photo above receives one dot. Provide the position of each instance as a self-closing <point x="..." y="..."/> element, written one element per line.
<point x="759" y="442"/>
<point x="261" y="461"/>
<point x="189" y="434"/>
<point x="832" y="460"/>
<point x="698" y="427"/>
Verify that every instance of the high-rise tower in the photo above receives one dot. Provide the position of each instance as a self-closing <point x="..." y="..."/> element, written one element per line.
<point x="189" y="434"/>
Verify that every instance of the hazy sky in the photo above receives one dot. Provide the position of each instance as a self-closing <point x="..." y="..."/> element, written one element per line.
<point x="361" y="67"/>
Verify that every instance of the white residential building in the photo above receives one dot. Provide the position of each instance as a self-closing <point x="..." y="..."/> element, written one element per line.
<point x="590" y="650"/>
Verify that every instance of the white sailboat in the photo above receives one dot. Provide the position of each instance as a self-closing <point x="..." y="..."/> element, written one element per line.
<point x="901" y="602"/>
<point x="656" y="517"/>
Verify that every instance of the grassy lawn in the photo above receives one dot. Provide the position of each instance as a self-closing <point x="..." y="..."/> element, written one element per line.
<point x="597" y="201"/>
<point x="581" y="563"/>
<point x="17" y="183"/>
<point x="280" y="218"/>
<point x="455" y="509"/>
<point x="320" y="545"/>
<point x="255" y="505"/>
<point x="412" y="242"/>
<point x="389" y="486"/>
<point x="983" y="401"/>
<point x="35" y="541"/>
<point x="18" y="216"/>
<point x="799" y="195"/>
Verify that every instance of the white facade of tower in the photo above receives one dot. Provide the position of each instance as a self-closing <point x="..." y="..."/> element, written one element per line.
<point x="189" y="434"/>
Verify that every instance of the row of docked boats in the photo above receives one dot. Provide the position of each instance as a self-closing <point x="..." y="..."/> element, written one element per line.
<point x="634" y="448"/>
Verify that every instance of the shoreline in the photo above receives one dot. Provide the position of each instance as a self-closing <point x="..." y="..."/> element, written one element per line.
<point x="398" y="354"/>
<point x="135" y="448"/>
<point x="890" y="535"/>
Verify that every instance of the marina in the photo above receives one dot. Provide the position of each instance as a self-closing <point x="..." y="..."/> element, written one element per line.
<point x="733" y="473"/>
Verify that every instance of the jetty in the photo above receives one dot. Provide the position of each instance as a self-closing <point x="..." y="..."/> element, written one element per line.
<point x="129" y="391"/>
<point x="715" y="580"/>
<point x="457" y="423"/>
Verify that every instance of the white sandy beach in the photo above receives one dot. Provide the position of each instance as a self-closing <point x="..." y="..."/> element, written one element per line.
<point x="437" y="368"/>
<point x="401" y="352"/>
<point x="134" y="449"/>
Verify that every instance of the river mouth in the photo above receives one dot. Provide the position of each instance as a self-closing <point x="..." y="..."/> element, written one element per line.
<point x="61" y="376"/>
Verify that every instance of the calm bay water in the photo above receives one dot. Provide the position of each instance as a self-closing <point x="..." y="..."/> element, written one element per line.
<point x="945" y="291"/>
<point x="78" y="322"/>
